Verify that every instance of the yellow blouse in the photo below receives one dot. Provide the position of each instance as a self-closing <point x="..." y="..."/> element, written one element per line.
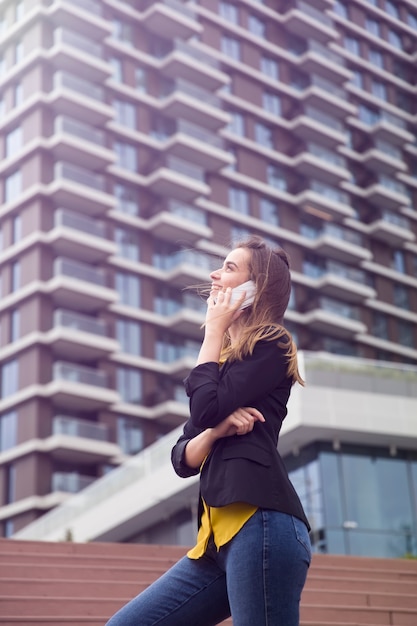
<point x="223" y="523"/>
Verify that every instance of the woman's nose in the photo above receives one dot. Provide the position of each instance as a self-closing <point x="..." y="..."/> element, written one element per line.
<point x="214" y="274"/>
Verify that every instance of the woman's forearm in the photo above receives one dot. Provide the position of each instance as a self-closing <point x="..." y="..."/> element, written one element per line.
<point x="198" y="448"/>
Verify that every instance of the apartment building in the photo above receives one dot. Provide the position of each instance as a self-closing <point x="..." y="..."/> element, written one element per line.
<point x="139" y="139"/>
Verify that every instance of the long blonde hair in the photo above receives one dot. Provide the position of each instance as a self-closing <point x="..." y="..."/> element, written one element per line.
<point x="270" y="270"/>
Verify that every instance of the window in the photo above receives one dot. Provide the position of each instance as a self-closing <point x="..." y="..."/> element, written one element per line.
<point x="352" y="45"/>
<point x="19" y="52"/>
<point x="16" y="228"/>
<point x="19" y="10"/>
<point x="18" y="94"/>
<point x="128" y="288"/>
<point x="15" y="276"/>
<point x="141" y="79"/>
<point x="380" y="325"/>
<point x="376" y="58"/>
<point x="372" y="26"/>
<point x="123" y="32"/>
<point x="117" y="69"/>
<point x="276" y="177"/>
<point x="237" y="124"/>
<point x="357" y="79"/>
<point x="14" y="325"/>
<point x="9" y="378"/>
<point x="127" y="199"/>
<point x="268" y="211"/>
<point x="406" y="333"/>
<point x="128" y="334"/>
<point x="129" y="435"/>
<point x="340" y="9"/>
<point x="239" y="200"/>
<point x="401" y="297"/>
<point x="271" y="102"/>
<point x="263" y="135"/>
<point x="398" y="261"/>
<point x="229" y="12"/>
<point x="379" y="89"/>
<point x="8" y="430"/>
<point x="125" y="113"/>
<point x="14" y="140"/>
<point x="129" y="384"/>
<point x="126" y="156"/>
<point x="2" y="66"/>
<point x="395" y="39"/>
<point x="231" y="47"/>
<point x="256" y="26"/>
<point x="10" y="476"/>
<point x="392" y="9"/>
<point x="269" y="67"/>
<point x="412" y="20"/>
<point x="127" y="243"/>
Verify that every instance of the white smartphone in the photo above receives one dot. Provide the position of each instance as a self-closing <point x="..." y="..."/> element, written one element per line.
<point x="250" y="289"/>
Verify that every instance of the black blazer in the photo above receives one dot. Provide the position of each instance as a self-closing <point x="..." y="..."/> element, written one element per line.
<point x="241" y="468"/>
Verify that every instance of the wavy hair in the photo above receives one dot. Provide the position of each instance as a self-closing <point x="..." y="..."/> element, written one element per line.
<point x="269" y="268"/>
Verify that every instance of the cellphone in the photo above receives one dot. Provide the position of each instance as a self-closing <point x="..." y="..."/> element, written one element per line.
<point x="250" y="289"/>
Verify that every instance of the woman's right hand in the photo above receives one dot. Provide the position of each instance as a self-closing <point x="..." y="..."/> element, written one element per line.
<point x="240" y="422"/>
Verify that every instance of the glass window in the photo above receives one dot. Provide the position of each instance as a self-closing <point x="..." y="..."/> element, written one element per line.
<point x="357" y="79"/>
<point x="128" y="288"/>
<point x="405" y="333"/>
<point x="237" y="124"/>
<point x="276" y="177"/>
<point x="129" y="435"/>
<point x="380" y="325"/>
<point x="117" y="69"/>
<point x="263" y="135"/>
<point x="352" y="45"/>
<point x="398" y="261"/>
<point x="19" y="51"/>
<point x="125" y="113"/>
<point x="13" y="186"/>
<point x="268" y="211"/>
<point x="376" y="58"/>
<point x="14" y="325"/>
<point x="372" y="26"/>
<point x="14" y="140"/>
<point x="129" y="384"/>
<point x="8" y="430"/>
<point x="412" y="20"/>
<point x="15" y="276"/>
<point x="256" y="26"/>
<point x="2" y="65"/>
<point x="9" y="378"/>
<point x="379" y="89"/>
<point x="18" y="94"/>
<point x="10" y="476"/>
<point x="392" y="9"/>
<point x="123" y="32"/>
<point x="128" y="334"/>
<point x="229" y="12"/>
<point x="141" y="79"/>
<point x="126" y="156"/>
<point x="127" y="199"/>
<point x="239" y="200"/>
<point x="16" y="228"/>
<point x="271" y="102"/>
<point x="19" y="10"/>
<point x="270" y="67"/>
<point x="395" y="39"/>
<point x="127" y="243"/>
<point x="231" y="47"/>
<point x="401" y="297"/>
<point x="340" y="9"/>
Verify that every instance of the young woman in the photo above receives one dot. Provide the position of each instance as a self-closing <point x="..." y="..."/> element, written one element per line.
<point x="253" y="549"/>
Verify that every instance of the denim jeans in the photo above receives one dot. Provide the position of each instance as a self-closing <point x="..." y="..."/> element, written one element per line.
<point x="257" y="578"/>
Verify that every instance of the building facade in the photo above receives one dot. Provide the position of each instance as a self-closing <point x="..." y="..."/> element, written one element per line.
<point x="138" y="140"/>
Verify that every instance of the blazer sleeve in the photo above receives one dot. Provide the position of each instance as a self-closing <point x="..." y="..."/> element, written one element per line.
<point x="177" y="452"/>
<point x="215" y="393"/>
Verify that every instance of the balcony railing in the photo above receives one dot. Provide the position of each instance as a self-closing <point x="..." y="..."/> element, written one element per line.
<point x="197" y="132"/>
<point x="332" y="230"/>
<point x="65" y="217"/>
<point x="186" y="168"/>
<point x="78" y="129"/>
<point x="63" y="425"/>
<point x="70" y="482"/>
<point x="79" y="175"/>
<point x="81" y="271"/>
<point x="198" y="93"/>
<point x="79" y="85"/>
<point x="79" y="374"/>
<point x="340" y="308"/>
<point x="77" y="41"/>
<point x="88" y="5"/>
<point x="187" y="212"/>
<point x="85" y="323"/>
<point x="396" y="219"/>
<point x="327" y="120"/>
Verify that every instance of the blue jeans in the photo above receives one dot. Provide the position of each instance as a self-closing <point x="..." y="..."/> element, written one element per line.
<point x="257" y="578"/>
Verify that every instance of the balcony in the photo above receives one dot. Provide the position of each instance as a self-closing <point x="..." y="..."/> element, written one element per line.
<point x="80" y="237"/>
<point x="182" y="223"/>
<point x="337" y="281"/>
<point x="387" y="193"/>
<point x="77" y="142"/>
<point x="384" y="158"/>
<point x="316" y="126"/>
<point x="392" y="228"/>
<point x="310" y="23"/>
<point x="79" y="286"/>
<point x="178" y="179"/>
<point x="320" y="162"/>
<point x="79" y="98"/>
<point x="70" y="482"/>
<point x="323" y="94"/>
<point x="81" y="16"/>
<point x="80" y="441"/>
<point x="322" y="60"/>
<point x="78" y="388"/>
<point x="188" y="62"/>
<point x="326" y="200"/>
<point x="338" y="243"/>
<point x="74" y="186"/>
<point x="79" y="337"/>
<point x="194" y="143"/>
<point x="187" y="322"/>
<point x="195" y="104"/>
<point x="384" y="126"/>
<point x="171" y="19"/>
<point x="335" y="318"/>
<point x="71" y="49"/>
<point x="187" y="267"/>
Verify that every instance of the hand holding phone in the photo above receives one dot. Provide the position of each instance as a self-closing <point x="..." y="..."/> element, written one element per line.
<point x="249" y="288"/>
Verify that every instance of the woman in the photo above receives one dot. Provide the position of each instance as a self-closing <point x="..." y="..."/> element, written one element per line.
<point x="253" y="549"/>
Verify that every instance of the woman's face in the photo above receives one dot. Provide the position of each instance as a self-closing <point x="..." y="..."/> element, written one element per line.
<point x="234" y="272"/>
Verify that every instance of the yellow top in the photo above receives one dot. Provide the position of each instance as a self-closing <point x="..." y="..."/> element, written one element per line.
<point x="223" y="523"/>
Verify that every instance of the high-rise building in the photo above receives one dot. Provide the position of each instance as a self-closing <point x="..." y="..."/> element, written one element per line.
<point x="139" y="138"/>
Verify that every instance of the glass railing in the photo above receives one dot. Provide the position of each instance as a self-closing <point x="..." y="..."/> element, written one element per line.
<point x="66" y="217"/>
<point x="326" y="155"/>
<point x="186" y="168"/>
<point x="196" y="92"/>
<point x="187" y="212"/>
<point x="393" y="185"/>
<point x="320" y="16"/>
<point x="79" y="270"/>
<point x="79" y="374"/>
<point x="64" y="425"/>
<point x="350" y="273"/>
<point x="79" y="85"/>
<point x="197" y="55"/>
<point x="193" y="130"/>
<point x="325" y="119"/>
<point x="324" y="51"/>
<point x="327" y="86"/>
<point x="88" y="5"/>
<point x="340" y="308"/>
<point x="77" y="41"/>
<point x="85" y="323"/>
<point x="79" y="175"/>
<point x="78" y="129"/>
<point x="396" y="220"/>
<point x="70" y="482"/>
<point x="330" y="192"/>
<point x="389" y="149"/>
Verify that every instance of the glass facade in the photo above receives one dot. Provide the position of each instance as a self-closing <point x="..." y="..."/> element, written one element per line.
<point x="359" y="500"/>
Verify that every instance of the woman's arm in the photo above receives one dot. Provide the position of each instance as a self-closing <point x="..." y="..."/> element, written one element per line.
<point x="240" y="422"/>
